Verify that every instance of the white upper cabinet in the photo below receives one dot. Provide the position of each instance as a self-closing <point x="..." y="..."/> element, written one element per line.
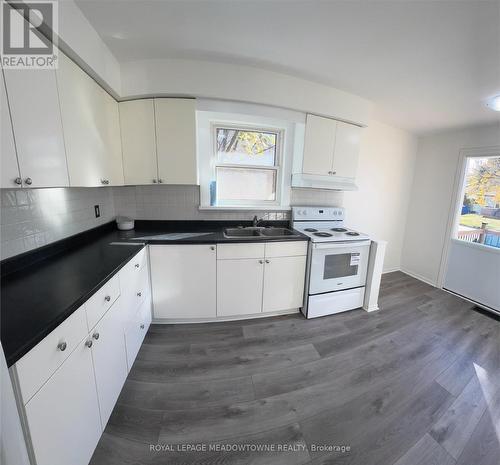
<point x="331" y="148"/>
<point x="36" y="121"/>
<point x="9" y="169"/>
<point x="91" y="127"/>
<point x="176" y="140"/>
<point x="346" y="153"/>
<point x="137" y="121"/>
<point x="319" y="145"/>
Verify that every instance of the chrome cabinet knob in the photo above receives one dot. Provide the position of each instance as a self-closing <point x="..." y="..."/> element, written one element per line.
<point x="18" y="181"/>
<point x="88" y="343"/>
<point x="62" y="346"/>
<point x="139" y="294"/>
<point x="105" y="181"/>
<point x="95" y="336"/>
<point x="334" y="172"/>
<point x="154" y="181"/>
<point x="107" y="298"/>
<point x="137" y="265"/>
<point x="212" y="247"/>
<point x="267" y="261"/>
<point x="28" y="181"/>
<point x="261" y="261"/>
<point x="142" y="326"/>
<point x="160" y="181"/>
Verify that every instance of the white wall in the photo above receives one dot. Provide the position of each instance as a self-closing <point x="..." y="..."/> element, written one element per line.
<point x="385" y="174"/>
<point x="226" y="81"/>
<point x="431" y="197"/>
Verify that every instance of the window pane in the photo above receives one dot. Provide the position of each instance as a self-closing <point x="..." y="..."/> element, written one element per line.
<point x="480" y="215"/>
<point x="245" y="184"/>
<point x="246" y="147"/>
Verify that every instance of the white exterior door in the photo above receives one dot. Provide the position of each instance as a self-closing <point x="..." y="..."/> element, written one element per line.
<point x="239" y="286"/>
<point x="9" y="169"/>
<point x="137" y="122"/>
<point x="176" y="140"/>
<point x="319" y="145"/>
<point x="109" y="357"/>
<point x="283" y="283"/>
<point x="63" y="416"/>
<point x="36" y="121"/>
<point x="346" y="153"/>
<point x="183" y="280"/>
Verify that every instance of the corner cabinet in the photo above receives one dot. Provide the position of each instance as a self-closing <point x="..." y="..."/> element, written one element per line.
<point x="91" y="126"/>
<point x="68" y="384"/>
<point x="331" y="148"/>
<point x="183" y="280"/>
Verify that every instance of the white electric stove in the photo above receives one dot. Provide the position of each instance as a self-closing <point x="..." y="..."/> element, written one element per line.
<point x="337" y="261"/>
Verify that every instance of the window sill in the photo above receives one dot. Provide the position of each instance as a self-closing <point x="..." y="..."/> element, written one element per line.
<point x="274" y="208"/>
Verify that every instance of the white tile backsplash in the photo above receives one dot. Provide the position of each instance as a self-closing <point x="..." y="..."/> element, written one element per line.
<point x="31" y="218"/>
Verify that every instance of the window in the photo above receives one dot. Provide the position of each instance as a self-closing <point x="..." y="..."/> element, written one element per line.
<point x="479" y="218"/>
<point x="247" y="166"/>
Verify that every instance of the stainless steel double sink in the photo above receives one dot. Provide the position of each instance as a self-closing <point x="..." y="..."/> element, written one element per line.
<point x="258" y="232"/>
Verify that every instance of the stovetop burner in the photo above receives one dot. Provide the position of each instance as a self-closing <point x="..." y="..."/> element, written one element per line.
<point x="352" y="233"/>
<point x="311" y="230"/>
<point x="339" y="229"/>
<point x="323" y="234"/>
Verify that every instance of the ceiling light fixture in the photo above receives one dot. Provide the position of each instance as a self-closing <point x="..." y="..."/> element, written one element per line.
<point x="494" y="103"/>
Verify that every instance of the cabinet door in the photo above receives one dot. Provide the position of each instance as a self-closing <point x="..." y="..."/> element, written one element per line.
<point x="63" y="416"/>
<point x="239" y="286"/>
<point x="176" y="140"/>
<point x="9" y="170"/>
<point x="345" y="158"/>
<point x="137" y="123"/>
<point x="136" y="330"/>
<point x="283" y="283"/>
<point x="110" y="362"/>
<point x="113" y="162"/>
<point x="36" y="121"/>
<point x="319" y="145"/>
<point x="91" y="128"/>
<point x="183" y="279"/>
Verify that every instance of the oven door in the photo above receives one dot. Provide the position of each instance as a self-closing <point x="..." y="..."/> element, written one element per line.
<point x="339" y="265"/>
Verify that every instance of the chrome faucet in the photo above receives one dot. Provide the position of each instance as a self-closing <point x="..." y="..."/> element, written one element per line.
<point x="256" y="221"/>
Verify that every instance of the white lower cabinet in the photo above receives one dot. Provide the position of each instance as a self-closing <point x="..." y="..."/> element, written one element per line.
<point x="136" y="330"/>
<point x="183" y="279"/>
<point x="109" y="357"/>
<point x="63" y="417"/>
<point x="256" y="278"/>
<point x="239" y="286"/>
<point x="283" y="283"/>
<point x="69" y="383"/>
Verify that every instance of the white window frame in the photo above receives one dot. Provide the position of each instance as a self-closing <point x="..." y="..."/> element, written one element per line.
<point x="277" y="167"/>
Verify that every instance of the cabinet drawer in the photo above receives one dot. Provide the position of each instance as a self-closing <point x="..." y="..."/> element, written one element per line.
<point x="40" y="362"/>
<point x="231" y="251"/>
<point x="286" y="249"/>
<point x="101" y="301"/>
<point x="136" y="264"/>
<point x="134" y="282"/>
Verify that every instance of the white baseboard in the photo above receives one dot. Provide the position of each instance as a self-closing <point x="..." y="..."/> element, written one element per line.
<point x="168" y="321"/>
<point x="391" y="270"/>
<point x="419" y="277"/>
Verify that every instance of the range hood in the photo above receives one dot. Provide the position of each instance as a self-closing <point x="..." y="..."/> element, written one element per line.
<point x="313" y="181"/>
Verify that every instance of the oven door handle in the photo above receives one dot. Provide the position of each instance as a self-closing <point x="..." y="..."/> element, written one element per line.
<point x="341" y="244"/>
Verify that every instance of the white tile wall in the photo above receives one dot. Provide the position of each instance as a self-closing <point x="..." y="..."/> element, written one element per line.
<point x="30" y="218"/>
<point x="170" y="202"/>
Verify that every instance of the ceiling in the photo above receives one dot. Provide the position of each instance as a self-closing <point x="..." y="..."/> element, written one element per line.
<point x="427" y="65"/>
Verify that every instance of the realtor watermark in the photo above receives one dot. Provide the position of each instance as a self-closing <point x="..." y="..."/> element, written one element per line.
<point x="29" y="33"/>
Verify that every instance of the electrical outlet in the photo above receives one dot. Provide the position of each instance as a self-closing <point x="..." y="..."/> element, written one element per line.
<point x="97" y="211"/>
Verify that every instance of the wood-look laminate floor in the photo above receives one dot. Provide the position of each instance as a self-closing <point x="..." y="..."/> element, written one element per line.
<point x="416" y="383"/>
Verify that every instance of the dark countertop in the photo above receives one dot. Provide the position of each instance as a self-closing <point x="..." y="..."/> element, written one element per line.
<point x="41" y="288"/>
